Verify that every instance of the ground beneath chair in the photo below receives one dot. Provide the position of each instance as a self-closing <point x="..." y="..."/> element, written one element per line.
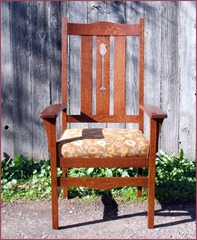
<point x="102" y="219"/>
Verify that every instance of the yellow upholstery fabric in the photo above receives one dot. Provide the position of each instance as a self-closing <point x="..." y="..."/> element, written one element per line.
<point x="103" y="143"/>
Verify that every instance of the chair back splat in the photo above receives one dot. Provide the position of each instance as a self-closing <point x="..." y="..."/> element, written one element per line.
<point x="106" y="84"/>
<point x="103" y="46"/>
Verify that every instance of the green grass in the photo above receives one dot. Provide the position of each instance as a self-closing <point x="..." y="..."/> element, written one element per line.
<point x="26" y="179"/>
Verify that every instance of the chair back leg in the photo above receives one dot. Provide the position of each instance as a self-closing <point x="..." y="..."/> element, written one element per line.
<point x="139" y="189"/>
<point x="65" y="189"/>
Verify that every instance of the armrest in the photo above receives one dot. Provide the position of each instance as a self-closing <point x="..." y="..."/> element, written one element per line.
<point x="52" y="111"/>
<point x="153" y="111"/>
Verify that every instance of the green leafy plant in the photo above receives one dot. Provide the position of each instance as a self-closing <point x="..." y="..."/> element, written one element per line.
<point x="18" y="168"/>
<point x="175" y="178"/>
<point x="27" y="179"/>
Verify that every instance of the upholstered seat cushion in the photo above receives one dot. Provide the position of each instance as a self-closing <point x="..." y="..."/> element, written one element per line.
<point x="102" y="143"/>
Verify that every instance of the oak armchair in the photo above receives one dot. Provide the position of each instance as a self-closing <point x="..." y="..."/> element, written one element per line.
<point x="102" y="147"/>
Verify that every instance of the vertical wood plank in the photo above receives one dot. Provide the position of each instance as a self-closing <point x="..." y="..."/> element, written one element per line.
<point x="40" y="73"/>
<point x="64" y="70"/>
<point x="187" y="76"/>
<point x="7" y="84"/>
<point x="119" y="75"/>
<point x="132" y="75"/>
<point x="77" y="13"/>
<point x="21" y="42"/>
<point x="115" y="13"/>
<point x="74" y="55"/>
<point x="141" y="74"/>
<point x="55" y="21"/>
<point x="86" y="75"/>
<point x="55" y="55"/>
<point x="102" y="96"/>
<point x="169" y="75"/>
<point x="96" y="12"/>
<point x="134" y="11"/>
<point x="152" y="53"/>
<point x="152" y="16"/>
<point x="64" y="9"/>
<point x="74" y="75"/>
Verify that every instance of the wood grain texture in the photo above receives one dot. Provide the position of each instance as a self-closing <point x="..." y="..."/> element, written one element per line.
<point x="187" y="77"/>
<point x="152" y="172"/>
<point x="23" y="109"/>
<point x="132" y="75"/>
<point x="152" y="92"/>
<point x="104" y="162"/>
<point x="103" y="183"/>
<point x="64" y="75"/>
<point x="33" y="66"/>
<point x="74" y="56"/>
<point x="132" y="62"/>
<point x="102" y="73"/>
<point x="153" y="111"/>
<point x="7" y="142"/>
<point x="96" y="13"/>
<point x="103" y="29"/>
<point x="152" y="53"/>
<point x="103" y="52"/>
<point x="119" y="76"/>
<point x="29" y="86"/>
<point x="74" y="75"/>
<point x="50" y="125"/>
<point x="40" y="73"/>
<point x="103" y="113"/>
<point x="53" y="111"/>
<point x="141" y="74"/>
<point x="73" y="9"/>
<point x="86" y="74"/>
<point x="55" y="27"/>
<point x="169" y="74"/>
<point x="112" y="9"/>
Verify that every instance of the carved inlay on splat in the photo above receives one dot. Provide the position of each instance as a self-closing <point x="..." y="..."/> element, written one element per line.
<point x="103" y="51"/>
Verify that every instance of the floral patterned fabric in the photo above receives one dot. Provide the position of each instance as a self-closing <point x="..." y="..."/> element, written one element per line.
<point x="103" y="143"/>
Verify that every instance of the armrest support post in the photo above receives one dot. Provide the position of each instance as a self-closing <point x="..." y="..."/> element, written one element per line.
<point x="50" y="127"/>
<point x="49" y="116"/>
<point x="156" y="116"/>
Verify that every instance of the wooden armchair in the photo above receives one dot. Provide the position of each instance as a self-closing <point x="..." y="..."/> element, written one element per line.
<point x="102" y="147"/>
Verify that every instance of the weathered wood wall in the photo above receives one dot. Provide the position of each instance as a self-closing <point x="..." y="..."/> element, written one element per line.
<point x="31" y="66"/>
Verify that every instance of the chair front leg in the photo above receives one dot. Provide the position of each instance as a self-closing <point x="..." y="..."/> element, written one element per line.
<point x="151" y="173"/>
<point x="50" y="125"/>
